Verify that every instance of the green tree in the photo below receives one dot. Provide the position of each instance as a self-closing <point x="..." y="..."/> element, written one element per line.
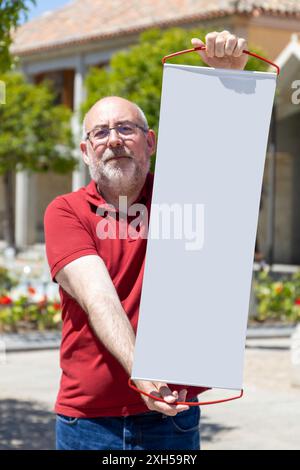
<point x="35" y="135"/>
<point x="10" y="13"/>
<point x="136" y="73"/>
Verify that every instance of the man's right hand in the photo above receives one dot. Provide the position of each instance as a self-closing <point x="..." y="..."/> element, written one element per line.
<point x="161" y="390"/>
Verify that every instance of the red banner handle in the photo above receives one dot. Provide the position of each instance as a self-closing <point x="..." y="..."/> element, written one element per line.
<point x="189" y="403"/>
<point x="202" y="48"/>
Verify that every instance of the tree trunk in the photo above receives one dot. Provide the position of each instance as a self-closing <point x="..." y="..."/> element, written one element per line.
<point x="9" y="218"/>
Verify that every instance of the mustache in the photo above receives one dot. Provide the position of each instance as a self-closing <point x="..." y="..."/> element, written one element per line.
<point x="115" y="153"/>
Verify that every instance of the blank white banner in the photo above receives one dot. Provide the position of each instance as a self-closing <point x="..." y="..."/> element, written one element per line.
<point x="213" y="134"/>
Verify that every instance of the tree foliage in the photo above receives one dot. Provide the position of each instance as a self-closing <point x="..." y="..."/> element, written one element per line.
<point x="10" y="13"/>
<point x="34" y="134"/>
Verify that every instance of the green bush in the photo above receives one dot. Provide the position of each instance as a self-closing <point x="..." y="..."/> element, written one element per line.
<point x="277" y="300"/>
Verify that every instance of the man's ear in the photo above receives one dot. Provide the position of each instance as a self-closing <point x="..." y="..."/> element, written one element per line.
<point x="151" y="141"/>
<point x="83" y="148"/>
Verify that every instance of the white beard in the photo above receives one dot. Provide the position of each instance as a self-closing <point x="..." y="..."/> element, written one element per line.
<point x="122" y="180"/>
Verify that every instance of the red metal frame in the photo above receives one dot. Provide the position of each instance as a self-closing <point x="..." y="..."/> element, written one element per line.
<point x="189" y="403"/>
<point x="202" y="48"/>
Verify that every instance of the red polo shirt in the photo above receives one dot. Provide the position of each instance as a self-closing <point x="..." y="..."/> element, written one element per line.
<point x="93" y="383"/>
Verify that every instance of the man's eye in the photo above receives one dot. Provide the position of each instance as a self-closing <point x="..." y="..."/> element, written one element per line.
<point x="126" y="129"/>
<point x="100" y="133"/>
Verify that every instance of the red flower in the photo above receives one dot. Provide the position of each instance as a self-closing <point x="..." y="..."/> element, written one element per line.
<point x="297" y="301"/>
<point x="4" y="300"/>
<point x="31" y="290"/>
<point x="57" y="306"/>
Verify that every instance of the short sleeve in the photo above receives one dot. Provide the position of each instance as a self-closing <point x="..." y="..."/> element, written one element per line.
<point x="66" y="237"/>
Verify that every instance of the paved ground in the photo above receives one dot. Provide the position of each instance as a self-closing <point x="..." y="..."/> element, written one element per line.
<point x="268" y="417"/>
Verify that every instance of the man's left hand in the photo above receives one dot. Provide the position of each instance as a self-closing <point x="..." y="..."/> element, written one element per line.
<point x="223" y="50"/>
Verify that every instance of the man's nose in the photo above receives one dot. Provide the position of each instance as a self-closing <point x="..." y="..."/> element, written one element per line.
<point x="114" y="139"/>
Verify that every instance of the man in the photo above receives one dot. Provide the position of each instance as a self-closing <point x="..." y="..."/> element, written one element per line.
<point x="100" y="282"/>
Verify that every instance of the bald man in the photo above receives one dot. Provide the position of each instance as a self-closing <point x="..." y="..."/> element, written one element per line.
<point x="100" y="277"/>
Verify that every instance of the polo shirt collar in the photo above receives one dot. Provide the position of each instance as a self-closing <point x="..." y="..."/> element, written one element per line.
<point x="93" y="196"/>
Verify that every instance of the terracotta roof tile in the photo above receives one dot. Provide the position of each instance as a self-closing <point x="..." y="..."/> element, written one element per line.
<point x="80" y="21"/>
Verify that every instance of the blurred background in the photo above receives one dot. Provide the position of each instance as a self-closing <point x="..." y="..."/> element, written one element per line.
<point x="56" y="59"/>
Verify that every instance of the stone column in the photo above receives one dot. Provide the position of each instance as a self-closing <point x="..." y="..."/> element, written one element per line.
<point x="79" y="175"/>
<point x="25" y="220"/>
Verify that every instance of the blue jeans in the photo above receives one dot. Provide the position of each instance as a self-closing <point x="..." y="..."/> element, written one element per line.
<point x="144" y="431"/>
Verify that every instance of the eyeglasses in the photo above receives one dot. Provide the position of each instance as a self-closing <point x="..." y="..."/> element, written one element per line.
<point x="125" y="129"/>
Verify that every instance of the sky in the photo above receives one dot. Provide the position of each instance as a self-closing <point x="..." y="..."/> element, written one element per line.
<point x="44" y="5"/>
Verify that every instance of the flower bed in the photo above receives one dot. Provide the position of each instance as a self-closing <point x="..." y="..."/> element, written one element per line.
<point x="25" y="312"/>
<point x="277" y="300"/>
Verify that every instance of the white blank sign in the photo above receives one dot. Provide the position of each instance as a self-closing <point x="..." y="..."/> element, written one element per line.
<point x="213" y="134"/>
